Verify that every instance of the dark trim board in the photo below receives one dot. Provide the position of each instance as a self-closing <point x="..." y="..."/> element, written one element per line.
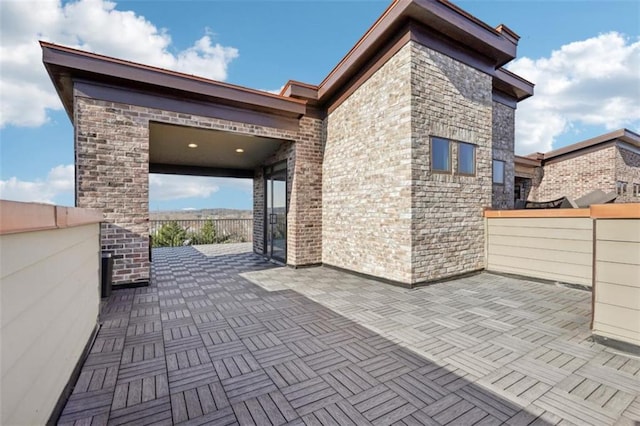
<point x="68" y="388"/>
<point x="177" y="169"/>
<point x="59" y="60"/>
<point x="541" y="280"/>
<point x="177" y="102"/>
<point x="617" y="344"/>
<point x="400" y="283"/>
<point x="130" y="284"/>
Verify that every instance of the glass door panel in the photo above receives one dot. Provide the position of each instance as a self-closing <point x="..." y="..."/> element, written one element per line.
<point x="279" y="212"/>
<point x="276" y="212"/>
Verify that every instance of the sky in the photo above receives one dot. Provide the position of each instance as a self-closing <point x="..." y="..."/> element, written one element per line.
<point x="583" y="56"/>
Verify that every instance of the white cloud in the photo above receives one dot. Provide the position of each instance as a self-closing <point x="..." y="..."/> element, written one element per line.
<point x="591" y="82"/>
<point x="59" y="181"/>
<point x="175" y="187"/>
<point x="274" y="91"/>
<point x="245" y="185"/>
<point x="91" y="25"/>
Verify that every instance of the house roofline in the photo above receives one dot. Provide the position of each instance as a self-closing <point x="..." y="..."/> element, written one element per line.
<point x="439" y="15"/>
<point x="539" y="159"/>
<point x="623" y="135"/>
<point x="65" y="64"/>
<point x="526" y="161"/>
<point x="495" y="46"/>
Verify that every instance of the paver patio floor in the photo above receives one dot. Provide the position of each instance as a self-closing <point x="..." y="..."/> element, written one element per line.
<point x="223" y="337"/>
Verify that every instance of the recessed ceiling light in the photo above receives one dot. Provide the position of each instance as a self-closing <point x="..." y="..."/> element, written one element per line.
<point x="193" y="145"/>
<point x="240" y="150"/>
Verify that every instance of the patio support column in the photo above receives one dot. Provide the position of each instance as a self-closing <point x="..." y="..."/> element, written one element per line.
<point x="112" y="174"/>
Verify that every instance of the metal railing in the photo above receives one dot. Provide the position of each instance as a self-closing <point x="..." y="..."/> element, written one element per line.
<point x="172" y="233"/>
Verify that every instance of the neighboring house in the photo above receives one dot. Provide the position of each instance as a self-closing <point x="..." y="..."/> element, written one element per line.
<point x="609" y="162"/>
<point x="384" y="168"/>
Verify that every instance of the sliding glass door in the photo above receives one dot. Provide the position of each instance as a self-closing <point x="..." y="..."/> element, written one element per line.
<point x="276" y="212"/>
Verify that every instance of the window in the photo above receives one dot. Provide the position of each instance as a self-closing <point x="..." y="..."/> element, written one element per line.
<point x="442" y="151"/>
<point x="636" y="189"/>
<point x="498" y="172"/>
<point x="517" y="192"/>
<point x="621" y="187"/>
<point x="440" y="155"/>
<point x="466" y="159"/>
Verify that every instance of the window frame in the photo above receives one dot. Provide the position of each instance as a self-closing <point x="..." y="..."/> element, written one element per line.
<point x="493" y="174"/>
<point x="621" y="187"/>
<point x="473" y="161"/>
<point x="450" y="157"/>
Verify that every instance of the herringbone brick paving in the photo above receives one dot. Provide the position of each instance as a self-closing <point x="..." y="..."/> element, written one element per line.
<point x="203" y="344"/>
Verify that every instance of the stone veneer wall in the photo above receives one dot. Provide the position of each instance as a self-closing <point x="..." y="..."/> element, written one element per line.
<point x="112" y="165"/>
<point x="503" y="145"/>
<point x="449" y="100"/>
<point x="627" y="164"/>
<point x="366" y="187"/>
<point x="574" y="177"/>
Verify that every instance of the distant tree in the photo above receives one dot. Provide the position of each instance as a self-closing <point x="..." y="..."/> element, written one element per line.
<point x="206" y="235"/>
<point x="169" y="235"/>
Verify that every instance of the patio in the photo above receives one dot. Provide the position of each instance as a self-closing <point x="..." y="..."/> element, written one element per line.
<point x="223" y="337"/>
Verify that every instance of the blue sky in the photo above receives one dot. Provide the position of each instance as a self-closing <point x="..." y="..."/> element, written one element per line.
<point x="584" y="57"/>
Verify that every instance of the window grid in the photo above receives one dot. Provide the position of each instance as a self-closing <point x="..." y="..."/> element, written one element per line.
<point x="621" y="187"/>
<point x="442" y="156"/>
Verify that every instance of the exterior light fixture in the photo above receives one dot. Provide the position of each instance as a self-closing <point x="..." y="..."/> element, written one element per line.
<point x="193" y="145"/>
<point x="239" y="150"/>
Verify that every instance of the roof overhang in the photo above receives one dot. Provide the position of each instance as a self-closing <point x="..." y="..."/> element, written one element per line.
<point x="624" y="138"/>
<point x="439" y="16"/>
<point x="621" y="135"/>
<point x="513" y="86"/>
<point x="435" y="23"/>
<point x="66" y="65"/>
<point x="526" y="161"/>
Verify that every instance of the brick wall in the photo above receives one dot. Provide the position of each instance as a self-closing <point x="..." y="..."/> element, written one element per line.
<point x="450" y="100"/>
<point x="304" y="195"/>
<point x="575" y="177"/>
<point x="503" y="145"/>
<point x="305" y="207"/>
<point x="112" y="165"/>
<point x="384" y="212"/>
<point x="627" y="169"/>
<point x="366" y="188"/>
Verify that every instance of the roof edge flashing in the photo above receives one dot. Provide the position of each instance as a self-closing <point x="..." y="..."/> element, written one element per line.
<point x="100" y="67"/>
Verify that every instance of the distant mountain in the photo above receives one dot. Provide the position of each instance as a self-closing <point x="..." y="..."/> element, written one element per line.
<point x="201" y="214"/>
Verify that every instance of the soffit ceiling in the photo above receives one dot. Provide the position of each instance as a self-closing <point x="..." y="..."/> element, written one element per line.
<point x="168" y="144"/>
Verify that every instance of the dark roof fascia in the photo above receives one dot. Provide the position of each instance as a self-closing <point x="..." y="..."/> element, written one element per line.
<point x="300" y="90"/>
<point x="623" y="135"/>
<point x="181" y="104"/>
<point x="513" y="85"/>
<point x="504" y="30"/>
<point x="450" y="47"/>
<point x="65" y="64"/>
<point x="504" y="99"/>
<point x="525" y="161"/>
<point x="438" y="15"/>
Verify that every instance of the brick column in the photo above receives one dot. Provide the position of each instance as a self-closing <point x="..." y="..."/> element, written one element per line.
<point x="112" y="174"/>
<point x="305" y="209"/>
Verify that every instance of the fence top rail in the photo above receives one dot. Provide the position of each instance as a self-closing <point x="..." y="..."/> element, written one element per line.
<point x="616" y="211"/>
<point x="596" y="211"/>
<point x="537" y="213"/>
<point x="199" y="220"/>
<point x="17" y="217"/>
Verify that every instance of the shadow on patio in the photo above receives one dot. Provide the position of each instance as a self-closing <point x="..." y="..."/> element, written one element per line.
<point x="204" y="345"/>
